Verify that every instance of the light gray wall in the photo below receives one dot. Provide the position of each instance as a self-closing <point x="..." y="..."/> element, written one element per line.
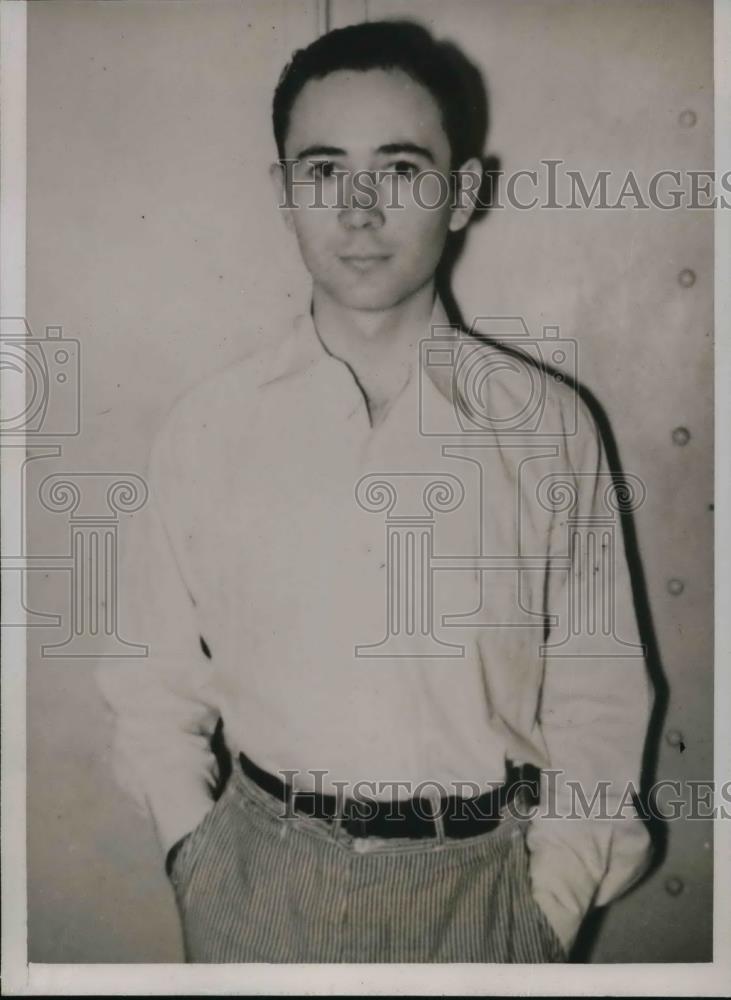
<point x="153" y="239"/>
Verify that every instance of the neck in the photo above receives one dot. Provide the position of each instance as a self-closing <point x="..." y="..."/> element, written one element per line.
<point x="381" y="347"/>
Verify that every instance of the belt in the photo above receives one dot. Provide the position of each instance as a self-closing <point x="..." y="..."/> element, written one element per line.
<point x="413" y="817"/>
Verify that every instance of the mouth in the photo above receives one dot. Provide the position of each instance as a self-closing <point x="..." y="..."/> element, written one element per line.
<point x="362" y="263"/>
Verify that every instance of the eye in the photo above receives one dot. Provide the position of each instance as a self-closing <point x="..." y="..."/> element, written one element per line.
<point x="404" y="168"/>
<point x="322" y="168"/>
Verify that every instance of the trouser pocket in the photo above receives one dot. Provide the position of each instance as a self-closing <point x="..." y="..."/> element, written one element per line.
<point x="544" y="944"/>
<point x="555" y="951"/>
<point x="193" y="846"/>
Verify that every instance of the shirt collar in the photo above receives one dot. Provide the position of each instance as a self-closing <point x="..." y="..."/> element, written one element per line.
<point x="302" y="348"/>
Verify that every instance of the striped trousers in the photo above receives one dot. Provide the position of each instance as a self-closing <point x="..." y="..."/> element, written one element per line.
<point x="255" y="885"/>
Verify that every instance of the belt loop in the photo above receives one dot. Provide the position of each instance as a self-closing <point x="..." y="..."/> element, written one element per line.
<point x="438" y="815"/>
<point x="337" y="824"/>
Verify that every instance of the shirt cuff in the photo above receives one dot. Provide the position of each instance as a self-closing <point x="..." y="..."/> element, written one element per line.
<point x="177" y="809"/>
<point x="567" y="865"/>
<point x="565" y="922"/>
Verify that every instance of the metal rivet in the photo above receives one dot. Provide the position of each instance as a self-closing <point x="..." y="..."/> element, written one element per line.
<point x="686" y="278"/>
<point x="674" y="885"/>
<point x="674" y="737"/>
<point x="675" y="587"/>
<point x="681" y="436"/>
<point x="687" y="118"/>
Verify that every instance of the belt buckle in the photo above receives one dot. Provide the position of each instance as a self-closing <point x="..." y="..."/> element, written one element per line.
<point x="355" y="824"/>
<point x="302" y="802"/>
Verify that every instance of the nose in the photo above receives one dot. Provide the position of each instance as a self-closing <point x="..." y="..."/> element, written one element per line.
<point x="361" y="208"/>
<point x="361" y="218"/>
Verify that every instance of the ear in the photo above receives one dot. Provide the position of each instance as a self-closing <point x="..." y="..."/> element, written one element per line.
<point x="468" y="179"/>
<point x="278" y="178"/>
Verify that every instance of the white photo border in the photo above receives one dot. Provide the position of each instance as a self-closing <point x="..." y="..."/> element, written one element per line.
<point x="21" y="979"/>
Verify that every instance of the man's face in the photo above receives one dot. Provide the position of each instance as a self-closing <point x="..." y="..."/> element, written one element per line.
<point x="364" y="255"/>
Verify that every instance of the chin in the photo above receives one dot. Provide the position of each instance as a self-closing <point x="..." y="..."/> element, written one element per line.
<point x="369" y="303"/>
<point x="370" y="298"/>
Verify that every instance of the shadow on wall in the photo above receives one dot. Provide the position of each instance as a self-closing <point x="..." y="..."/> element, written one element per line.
<point x="656" y="826"/>
<point x="486" y="196"/>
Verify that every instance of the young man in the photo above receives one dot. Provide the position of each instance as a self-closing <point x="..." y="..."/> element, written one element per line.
<point x="341" y="485"/>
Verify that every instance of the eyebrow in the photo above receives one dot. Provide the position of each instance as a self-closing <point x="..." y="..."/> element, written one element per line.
<point x="407" y="147"/>
<point x="320" y="151"/>
<point x="390" y="148"/>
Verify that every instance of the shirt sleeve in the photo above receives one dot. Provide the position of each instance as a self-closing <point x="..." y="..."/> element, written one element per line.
<point x="162" y="711"/>
<point x="595" y="706"/>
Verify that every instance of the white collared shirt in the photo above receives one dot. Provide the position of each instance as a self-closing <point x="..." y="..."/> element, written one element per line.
<point x="358" y="592"/>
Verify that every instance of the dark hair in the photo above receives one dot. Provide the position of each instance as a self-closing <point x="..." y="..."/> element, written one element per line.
<point x="454" y="83"/>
